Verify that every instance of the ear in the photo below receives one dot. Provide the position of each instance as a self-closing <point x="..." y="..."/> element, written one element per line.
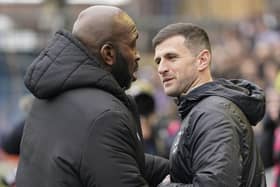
<point x="203" y="59"/>
<point x="108" y="54"/>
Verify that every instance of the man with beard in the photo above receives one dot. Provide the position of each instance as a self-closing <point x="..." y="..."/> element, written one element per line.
<point x="83" y="130"/>
<point x="215" y="146"/>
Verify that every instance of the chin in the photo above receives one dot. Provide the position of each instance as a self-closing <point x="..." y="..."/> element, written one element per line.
<point x="170" y="93"/>
<point x="127" y="86"/>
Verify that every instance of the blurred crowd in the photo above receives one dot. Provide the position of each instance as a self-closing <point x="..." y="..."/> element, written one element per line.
<point x="249" y="50"/>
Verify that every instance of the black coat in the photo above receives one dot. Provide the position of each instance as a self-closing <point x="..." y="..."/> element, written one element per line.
<point x="215" y="146"/>
<point x="82" y="131"/>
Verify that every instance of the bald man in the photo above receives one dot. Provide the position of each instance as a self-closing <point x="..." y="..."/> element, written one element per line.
<point x="83" y="130"/>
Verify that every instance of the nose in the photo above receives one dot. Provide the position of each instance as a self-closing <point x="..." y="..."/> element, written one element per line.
<point x="162" y="67"/>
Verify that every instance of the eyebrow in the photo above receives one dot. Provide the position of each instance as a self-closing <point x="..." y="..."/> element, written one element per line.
<point x="166" y="55"/>
<point x="171" y="54"/>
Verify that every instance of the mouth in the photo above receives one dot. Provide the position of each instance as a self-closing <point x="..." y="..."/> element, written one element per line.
<point x="167" y="79"/>
<point x="134" y="74"/>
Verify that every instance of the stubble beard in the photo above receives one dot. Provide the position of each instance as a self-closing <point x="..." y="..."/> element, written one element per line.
<point x="120" y="71"/>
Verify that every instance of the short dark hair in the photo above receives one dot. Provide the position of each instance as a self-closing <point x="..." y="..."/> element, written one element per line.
<point x="196" y="38"/>
<point x="145" y="103"/>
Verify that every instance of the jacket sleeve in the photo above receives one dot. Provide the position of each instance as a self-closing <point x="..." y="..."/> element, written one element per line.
<point x="156" y="168"/>
<point x="109" y="157"/>
<point x="216" y="159"/>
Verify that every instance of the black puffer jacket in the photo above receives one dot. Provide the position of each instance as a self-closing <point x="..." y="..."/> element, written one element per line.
<point x="83" y="131"/>
<point x="215" y="146"/>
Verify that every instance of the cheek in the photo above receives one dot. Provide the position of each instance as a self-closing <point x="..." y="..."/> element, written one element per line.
<point x="131" y="62"/>
<point x="185" y="74"/>
<point x="129" y="58"/>
<point x="179" y="71"/>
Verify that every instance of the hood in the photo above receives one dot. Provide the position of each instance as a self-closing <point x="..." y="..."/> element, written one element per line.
<point x="246" y="95"/>
<point x="65" y="64"/>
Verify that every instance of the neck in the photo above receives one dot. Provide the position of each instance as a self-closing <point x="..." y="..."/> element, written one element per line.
<point x="198" y="82"/>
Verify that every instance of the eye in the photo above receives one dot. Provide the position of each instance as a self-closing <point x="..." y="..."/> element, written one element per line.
<point x="171" y="57"/>
<point x="157" y="61"/>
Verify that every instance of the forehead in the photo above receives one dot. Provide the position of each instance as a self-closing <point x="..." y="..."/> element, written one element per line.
<point x="174" y="44"/>
<point x="125" y="26"/>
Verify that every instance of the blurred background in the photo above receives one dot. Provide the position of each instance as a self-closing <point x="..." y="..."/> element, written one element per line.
<point x="245" y="37"/>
